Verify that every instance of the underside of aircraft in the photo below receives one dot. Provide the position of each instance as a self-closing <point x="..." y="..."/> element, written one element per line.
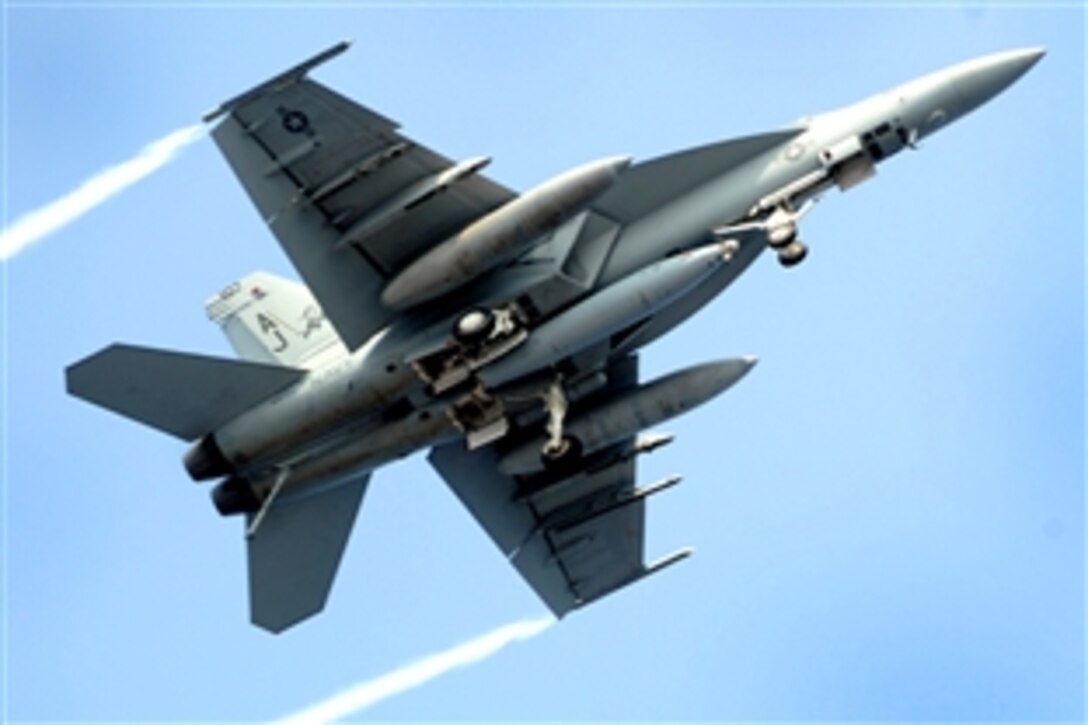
<point x="443" y="311"/>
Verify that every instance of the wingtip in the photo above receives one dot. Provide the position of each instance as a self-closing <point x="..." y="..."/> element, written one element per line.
<point x="212" y="114"/>
<point x="278" y="82"/>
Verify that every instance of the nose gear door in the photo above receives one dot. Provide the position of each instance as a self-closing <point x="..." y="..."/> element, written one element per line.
<point x="886" y="139"/>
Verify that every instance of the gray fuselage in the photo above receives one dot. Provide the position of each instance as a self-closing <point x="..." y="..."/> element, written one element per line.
<point x="370" y="407"/>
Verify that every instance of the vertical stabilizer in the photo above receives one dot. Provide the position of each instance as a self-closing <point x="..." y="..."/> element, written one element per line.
<point x="274" y="320"/>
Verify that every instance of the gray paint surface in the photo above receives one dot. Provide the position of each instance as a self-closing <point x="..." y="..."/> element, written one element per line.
<point x="315" y="164"/>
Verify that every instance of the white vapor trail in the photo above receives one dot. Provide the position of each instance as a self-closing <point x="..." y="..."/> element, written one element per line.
<point x="101" y="187"/>
<point x="409" y="677"/>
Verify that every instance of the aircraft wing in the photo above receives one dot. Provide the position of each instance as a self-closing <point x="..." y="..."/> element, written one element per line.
<point x="574" y="537"/>
<point x="351" y="200"/>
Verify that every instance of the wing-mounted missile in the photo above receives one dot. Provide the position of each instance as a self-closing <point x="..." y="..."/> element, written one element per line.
<point x="650" y="569"/>
<point x="357" y="171"/>
<point x="651" y="442"/>
<point x="278" y="83"/>
<point x="572" y="530"/>
<point x="625" y="415"/>
<point x="498" y="237"/>
<point x="618" y="500"/>
<point x="410" y="198"/>
<point x="553" y="487"/>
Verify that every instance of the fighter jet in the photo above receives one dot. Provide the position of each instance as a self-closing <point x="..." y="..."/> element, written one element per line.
<point x="443" y="311"/>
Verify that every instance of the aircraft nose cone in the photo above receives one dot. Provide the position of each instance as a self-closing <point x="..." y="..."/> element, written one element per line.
<point x="983" y="78"/>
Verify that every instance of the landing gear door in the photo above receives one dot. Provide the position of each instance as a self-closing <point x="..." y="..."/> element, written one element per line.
<point x="839" y="152"/>
<point x="886" y="139"/>
<point x="848" y="162"/>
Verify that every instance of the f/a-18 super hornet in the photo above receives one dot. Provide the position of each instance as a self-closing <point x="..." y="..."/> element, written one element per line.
<point x="443" y="310"/>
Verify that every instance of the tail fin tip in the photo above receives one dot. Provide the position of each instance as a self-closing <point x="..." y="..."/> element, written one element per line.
<point x="273" y="320"/>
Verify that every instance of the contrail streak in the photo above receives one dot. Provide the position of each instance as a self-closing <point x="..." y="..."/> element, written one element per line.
<point x="409" y="677"/>
<point x="104" y="185"/>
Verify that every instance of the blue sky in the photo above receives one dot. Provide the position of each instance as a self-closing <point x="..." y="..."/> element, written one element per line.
<point x="888" y="513"/>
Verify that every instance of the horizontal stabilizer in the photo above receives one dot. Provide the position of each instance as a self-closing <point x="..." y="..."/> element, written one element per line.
<point x="179" y="393"/>
<point x="295" y="553"/>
